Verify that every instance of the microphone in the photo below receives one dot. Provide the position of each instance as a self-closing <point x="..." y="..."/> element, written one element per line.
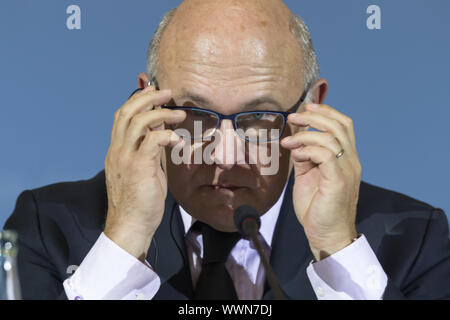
<point x="248" y="222"/>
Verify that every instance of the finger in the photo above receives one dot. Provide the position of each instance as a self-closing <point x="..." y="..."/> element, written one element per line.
<point x="332" y="113"/>
<point x="305" y="138"/>
<point x="303" y="167"/>
<point x="151" y="145"/>
<point x="139" y="102"/>
<point x="145" y="101"/>
<point x="141" y="91"/>
<point x="150" y="120"/>
<point x="323" y="157"/>
<point x="131" y="98"/>
<point x="325" y="124"/>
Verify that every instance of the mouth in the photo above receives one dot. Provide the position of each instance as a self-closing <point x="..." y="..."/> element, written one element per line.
<point x="225" y="188"/>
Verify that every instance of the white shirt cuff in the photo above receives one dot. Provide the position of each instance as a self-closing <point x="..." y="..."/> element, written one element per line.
<point x="109" y="272"/>
<point x="351" y="273"/>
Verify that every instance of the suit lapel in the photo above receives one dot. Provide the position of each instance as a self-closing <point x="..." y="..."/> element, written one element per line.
<point x="167" y="255"/>
<point x="291" y="254"/>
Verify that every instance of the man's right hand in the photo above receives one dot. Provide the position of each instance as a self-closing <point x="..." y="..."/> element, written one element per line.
<point x="136" y="183"/>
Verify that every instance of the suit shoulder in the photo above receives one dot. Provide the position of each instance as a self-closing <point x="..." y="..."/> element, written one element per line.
<point x="83" y="201"/>
<point x="71" y="191"/>
<point x="382" y="200"/>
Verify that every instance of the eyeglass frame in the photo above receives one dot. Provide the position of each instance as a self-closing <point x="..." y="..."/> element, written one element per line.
<point x="233" y="116"/>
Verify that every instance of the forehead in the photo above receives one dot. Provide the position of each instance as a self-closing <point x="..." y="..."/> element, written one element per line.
<point x="230" y="48"/>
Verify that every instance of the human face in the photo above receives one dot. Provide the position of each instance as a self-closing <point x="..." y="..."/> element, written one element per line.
<point x="229" y="68"/>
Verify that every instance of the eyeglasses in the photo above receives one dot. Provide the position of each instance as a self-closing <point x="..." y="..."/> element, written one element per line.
<point x="252" y="126"/>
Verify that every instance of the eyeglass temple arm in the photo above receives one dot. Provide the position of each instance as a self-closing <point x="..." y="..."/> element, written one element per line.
<point x="302" y="98"/>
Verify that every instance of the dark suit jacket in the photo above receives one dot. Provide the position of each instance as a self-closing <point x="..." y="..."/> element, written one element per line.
<point x="58" y="225"/>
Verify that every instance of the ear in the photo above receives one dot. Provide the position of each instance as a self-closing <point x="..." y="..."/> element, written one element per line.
<point x="319" y="91"/>
<point x="142" y="80"/>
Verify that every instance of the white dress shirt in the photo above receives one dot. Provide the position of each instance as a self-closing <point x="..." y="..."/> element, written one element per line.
<point x="109" y="272"/>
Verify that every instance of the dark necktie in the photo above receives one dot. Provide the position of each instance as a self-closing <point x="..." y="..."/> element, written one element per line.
<point x="214" y="282"/>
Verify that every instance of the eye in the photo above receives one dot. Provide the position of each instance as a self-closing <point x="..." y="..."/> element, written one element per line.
<point x="258" y="115"/>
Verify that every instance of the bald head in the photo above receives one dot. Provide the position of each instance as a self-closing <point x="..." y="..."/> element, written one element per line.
<point x="228" y="31"/>
<point x="230" y="19"/>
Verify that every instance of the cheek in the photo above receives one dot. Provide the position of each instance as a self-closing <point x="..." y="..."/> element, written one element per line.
<point x="177" y="175"/>
<point x="183" y="179"/>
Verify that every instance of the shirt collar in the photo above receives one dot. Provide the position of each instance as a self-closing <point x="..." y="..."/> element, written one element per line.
<point x="268" y="219"/>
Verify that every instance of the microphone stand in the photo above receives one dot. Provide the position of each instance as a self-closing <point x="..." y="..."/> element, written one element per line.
<point x="251" y="228"/>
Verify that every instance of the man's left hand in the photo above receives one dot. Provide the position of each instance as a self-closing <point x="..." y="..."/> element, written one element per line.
<point x="327" y="177"/>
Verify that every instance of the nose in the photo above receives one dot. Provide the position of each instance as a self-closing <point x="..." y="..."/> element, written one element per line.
<point x="230" y="149"/>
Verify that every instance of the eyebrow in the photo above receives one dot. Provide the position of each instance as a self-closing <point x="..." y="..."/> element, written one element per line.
<point x="206" y="103"/>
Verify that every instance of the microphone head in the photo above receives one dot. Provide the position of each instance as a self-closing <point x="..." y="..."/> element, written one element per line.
<point x="243" y="213"/>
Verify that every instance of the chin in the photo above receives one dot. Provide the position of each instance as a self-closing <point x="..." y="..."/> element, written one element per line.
<point x="219" y="217"/>
<point x="216" y="207"/>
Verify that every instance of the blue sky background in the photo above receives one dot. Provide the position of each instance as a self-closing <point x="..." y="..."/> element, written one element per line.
<point x="59" y="88"/>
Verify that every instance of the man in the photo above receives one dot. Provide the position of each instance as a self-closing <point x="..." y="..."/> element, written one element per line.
<point x="148" y="227"/>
